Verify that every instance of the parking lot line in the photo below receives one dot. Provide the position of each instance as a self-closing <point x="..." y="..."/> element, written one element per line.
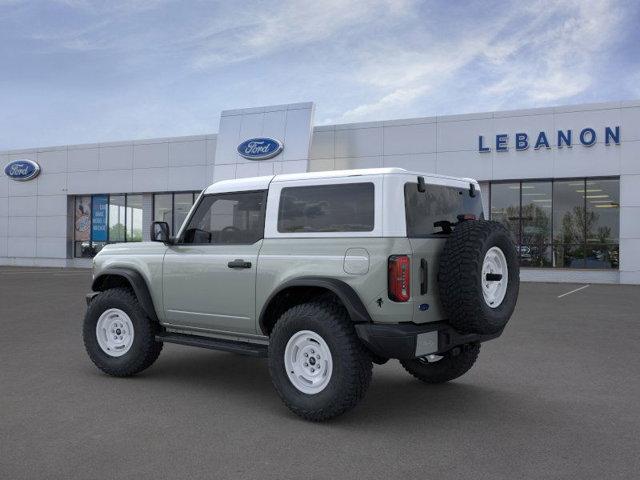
<point x="573" y="291"/>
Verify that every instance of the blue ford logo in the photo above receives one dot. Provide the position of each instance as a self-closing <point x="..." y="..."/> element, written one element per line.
<point x="260" y="148"/>
<point x="22" y="170"/>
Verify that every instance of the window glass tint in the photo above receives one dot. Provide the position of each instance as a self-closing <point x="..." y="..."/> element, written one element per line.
<point x="505" y="207"/>
<point x="569" y="212"/>
<point x="437" y="203"/>
<point x="564" y="224"/>
<point x="327" y="208"/>
<point x="535" y="249"/>
<point x="134" y="218"/>
<point x="163" y="209"/>
<point x="233" y="218"/>
<point x="117" y="214"/>
<point x="603" y="211"/>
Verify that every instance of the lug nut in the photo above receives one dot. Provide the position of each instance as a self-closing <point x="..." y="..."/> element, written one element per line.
<point x="306" y="364"/>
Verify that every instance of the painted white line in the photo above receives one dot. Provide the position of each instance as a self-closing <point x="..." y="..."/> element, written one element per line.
<point x="573" y="291"/>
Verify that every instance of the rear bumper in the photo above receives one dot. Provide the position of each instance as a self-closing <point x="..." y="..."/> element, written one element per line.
<point x="406" y="341"/>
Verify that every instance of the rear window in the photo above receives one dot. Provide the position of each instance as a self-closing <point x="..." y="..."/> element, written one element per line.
<point x="438" y="203"/>
<point x="347" y="207"/>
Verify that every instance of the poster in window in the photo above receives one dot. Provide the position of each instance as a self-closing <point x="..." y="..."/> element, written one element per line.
<point x="82" y="219"/>
<point x="99" y="218"/>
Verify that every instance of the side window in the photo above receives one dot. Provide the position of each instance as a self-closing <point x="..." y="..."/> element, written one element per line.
<point x="347" y="207"/>
<point x="228" y="219"/>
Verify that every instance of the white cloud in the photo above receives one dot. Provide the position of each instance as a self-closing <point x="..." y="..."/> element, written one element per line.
<point x="544" y="53"/>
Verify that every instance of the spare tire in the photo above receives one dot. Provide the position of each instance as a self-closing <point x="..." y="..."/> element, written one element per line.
<point x="479" y="277"/>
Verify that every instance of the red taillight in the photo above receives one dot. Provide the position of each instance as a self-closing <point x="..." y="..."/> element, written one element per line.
<point x="399" y="278"/>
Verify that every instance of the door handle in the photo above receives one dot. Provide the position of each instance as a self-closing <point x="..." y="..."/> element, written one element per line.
<point x="239" y="263"/>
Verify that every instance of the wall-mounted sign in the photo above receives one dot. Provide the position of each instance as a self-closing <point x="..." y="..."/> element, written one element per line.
<point x="22" y="170"/>
<point x="99" y="205"/>
<point x="82" y="219"/>
<point x="260" y="148"/>
<point x="564" y="138"/>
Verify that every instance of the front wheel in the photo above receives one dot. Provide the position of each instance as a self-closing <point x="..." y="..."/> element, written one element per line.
<point x="118" y="335"/>
<point x="317" y="363"/>
<point x="440" y="369"/>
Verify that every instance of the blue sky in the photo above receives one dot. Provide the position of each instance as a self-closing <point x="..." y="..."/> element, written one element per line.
<point x="76" y="71"/>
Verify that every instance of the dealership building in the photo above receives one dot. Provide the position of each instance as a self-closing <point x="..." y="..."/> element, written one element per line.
<point x="564" y="180"/>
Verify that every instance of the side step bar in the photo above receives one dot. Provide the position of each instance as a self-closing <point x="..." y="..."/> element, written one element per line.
<point x="243" y="348"/>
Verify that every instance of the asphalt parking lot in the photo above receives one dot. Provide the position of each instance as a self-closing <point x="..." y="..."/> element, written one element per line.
<point x="557" y="396"/>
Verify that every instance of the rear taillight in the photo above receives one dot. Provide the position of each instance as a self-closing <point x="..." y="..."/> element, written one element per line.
<point x="399" y="278"/>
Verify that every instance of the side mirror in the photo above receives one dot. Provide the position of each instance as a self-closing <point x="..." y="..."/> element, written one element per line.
<point x="160" y="232"/>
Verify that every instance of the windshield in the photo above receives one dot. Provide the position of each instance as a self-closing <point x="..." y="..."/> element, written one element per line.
<point x="427" y="212"/>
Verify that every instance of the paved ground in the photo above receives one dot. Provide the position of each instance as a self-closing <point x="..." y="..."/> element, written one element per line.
<point x="556" y="397"/>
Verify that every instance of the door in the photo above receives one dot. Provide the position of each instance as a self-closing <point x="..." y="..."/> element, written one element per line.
<point x="209" y="275"/>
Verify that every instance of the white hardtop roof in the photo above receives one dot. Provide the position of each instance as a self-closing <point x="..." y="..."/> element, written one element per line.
<point x="262" y="183"/>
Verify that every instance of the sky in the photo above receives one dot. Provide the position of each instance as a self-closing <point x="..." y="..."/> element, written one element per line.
<point x="79" y="71"/>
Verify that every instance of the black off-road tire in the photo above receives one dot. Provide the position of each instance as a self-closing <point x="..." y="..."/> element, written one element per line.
<point x="460" y="277"/>
<point x="351" y="362"/>
<point x="144" y="349"/>
<point x="451" y="366"/>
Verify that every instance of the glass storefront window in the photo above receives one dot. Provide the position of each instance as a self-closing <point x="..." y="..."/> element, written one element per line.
<point x="163" y="208"/>
<point x="173" y="208"/>
<point x="134" y="218"/>
<point x="535" y="249"/>
<point x="505" y="207"/>
<point x="117" y="218"/>
<point x="182" y="203"/>
<point x="564" y="223"/>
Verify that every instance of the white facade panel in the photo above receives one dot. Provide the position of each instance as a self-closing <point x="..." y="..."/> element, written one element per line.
<point x="83" y="159"/>
<point x="117" y="157"/>
<point x="630" y="157"/>
<point x="458" y="164"/>
<point x="51" y="247"/>
<point x="23" y="227"/>
<point x="51" y="205"/>
<point x="52" y="183"/>
<point x="188" y="153"/>
<point x="358" y="142"/>
<point x="187" y="178"/>
<point x="52" y="226"/>
<point x="630" y="191"/>
<point x="21" y="246"/>
<point x="22" y="206"/>
<point x="4" y="207"/>
<point x="53" y="161"/>
<point x="322" y="145"/>
<point x="150" y="180"/>
<point x="297" y="134"/>
<point x="151" y="155"/>
<point x="410" y="139"/>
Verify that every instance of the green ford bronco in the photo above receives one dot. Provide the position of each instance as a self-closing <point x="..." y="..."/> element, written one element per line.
<point x="322" y="273"/>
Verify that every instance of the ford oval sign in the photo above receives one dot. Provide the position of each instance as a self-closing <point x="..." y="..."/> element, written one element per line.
<point x="260" y="148"/>
<point x="22" y="170"/>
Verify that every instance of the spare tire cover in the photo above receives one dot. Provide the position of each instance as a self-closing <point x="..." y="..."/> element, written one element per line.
<point x="479" y="277"/>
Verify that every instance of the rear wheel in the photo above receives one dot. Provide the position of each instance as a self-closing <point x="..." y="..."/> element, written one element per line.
<point x="440" y="369"/>
<point x="318" y="365"/>
<point x="118" y="335"/>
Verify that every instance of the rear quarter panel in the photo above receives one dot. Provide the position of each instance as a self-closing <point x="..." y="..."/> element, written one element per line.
<point x="282" y="260"/>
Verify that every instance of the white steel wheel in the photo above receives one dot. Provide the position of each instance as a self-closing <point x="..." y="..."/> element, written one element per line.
<point x="495" y="277"/>
<point x="308" y="361"/>
<point x="114" y="332"/>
